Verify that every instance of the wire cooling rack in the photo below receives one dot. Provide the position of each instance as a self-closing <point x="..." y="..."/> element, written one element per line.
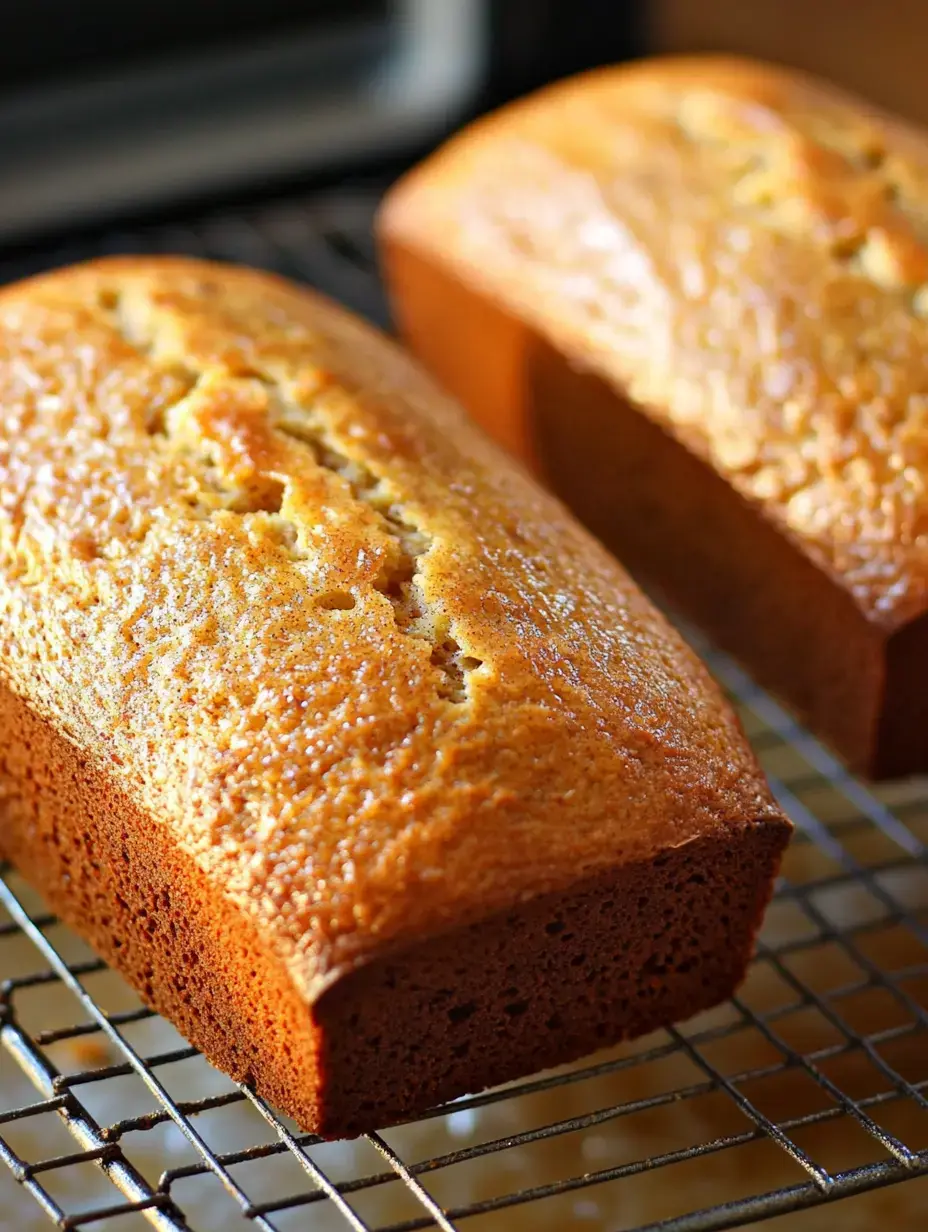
<point x="810" y="1086"/>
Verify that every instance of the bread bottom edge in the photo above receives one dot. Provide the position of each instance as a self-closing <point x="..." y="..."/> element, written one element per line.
<point x="550" y="981"/>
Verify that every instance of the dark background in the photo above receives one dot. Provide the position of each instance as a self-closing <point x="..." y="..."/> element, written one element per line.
<point x="116" y="114"/>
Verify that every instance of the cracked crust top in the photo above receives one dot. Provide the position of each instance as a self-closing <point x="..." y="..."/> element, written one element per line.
<point x="364" y="671"/>
<point x="743" y="250"/>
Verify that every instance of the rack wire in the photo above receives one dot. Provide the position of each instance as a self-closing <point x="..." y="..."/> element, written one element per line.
<point x="811" y="1085"/>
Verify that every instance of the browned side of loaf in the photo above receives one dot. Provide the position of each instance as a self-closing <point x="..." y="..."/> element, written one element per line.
<point x="111" y="872"/>
<point x="596" y="361"/>
<point x="682" y="528"/>
<point x="552" y="980"/>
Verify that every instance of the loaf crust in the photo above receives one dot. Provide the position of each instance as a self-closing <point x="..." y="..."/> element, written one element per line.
<point x="735" y="255"/>
<point x="324" y="724"/>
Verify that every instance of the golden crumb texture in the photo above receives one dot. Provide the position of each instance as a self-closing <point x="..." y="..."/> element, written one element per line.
<point x="741" y="250"/>
<point x="366" y="675"/>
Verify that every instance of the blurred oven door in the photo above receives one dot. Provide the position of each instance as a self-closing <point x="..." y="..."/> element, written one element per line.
<point x="106" y="106"/>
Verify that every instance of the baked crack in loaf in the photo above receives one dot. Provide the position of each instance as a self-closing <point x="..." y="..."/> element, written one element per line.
<point x="695" y="293"/>
<point x="366" y="765"/>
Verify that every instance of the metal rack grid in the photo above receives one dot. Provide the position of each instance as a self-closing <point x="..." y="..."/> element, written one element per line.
<point x="811" y="1085"/>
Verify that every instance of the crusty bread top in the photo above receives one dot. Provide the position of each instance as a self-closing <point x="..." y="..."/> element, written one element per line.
<point x="743" y="250"/>
<point x="371" y="677"/>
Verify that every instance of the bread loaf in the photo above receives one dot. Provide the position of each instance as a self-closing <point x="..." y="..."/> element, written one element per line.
<point x="694" y="293"/>
<point x="336" y="735"/>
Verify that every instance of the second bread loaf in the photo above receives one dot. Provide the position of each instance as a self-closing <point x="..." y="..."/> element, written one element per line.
<point x="341" y="739"/>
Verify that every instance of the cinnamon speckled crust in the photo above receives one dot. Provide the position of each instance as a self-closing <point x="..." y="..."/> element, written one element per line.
<point x="289" y="607"/>
<point x="739" y="252"/>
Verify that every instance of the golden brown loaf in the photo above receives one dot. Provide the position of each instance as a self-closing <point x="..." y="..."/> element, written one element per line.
<point x="698" y="290"/>
<point x="366" y="764"/>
